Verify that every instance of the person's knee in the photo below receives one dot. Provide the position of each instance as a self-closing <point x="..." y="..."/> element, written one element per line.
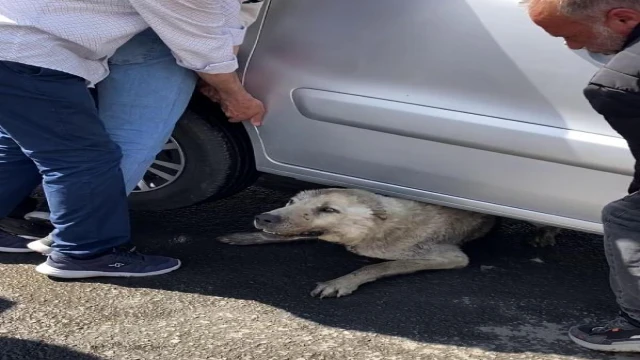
<point x="109" y="155"/>
<point x="109" y="161"/>
<point x="609" y="211"/>
<point x="92" y="162"/>
<point x="624" y="212"/>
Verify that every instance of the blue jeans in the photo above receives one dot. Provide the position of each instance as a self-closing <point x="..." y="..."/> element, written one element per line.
<point x="141" y="100"/>
<point x="49" y="126"/>
<point x="139" y="104"/>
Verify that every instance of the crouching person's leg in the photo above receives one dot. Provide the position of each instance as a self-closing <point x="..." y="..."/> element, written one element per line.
<point x="139" y="104"/>
<point x="621" y="221"/>
<point x="18" y="177"/>
<point x="53" y="118"/>
<point x="142" y="100"/>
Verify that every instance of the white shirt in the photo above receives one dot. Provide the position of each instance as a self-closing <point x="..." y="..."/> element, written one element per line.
<point x="78" y="36"/>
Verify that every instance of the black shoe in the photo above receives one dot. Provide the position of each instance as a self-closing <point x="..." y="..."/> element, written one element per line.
<point x="619" y="335"/>
<point x="25" y="228"/>
<point x="10" y="243"/>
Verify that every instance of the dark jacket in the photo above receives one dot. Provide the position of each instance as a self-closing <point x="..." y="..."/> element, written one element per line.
<point x="614" y="92"/>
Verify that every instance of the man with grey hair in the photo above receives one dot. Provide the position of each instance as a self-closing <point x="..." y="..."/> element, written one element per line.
<point x="609" y="27"/>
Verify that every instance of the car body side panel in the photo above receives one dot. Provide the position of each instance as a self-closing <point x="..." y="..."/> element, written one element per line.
<point x="397" y="98"/>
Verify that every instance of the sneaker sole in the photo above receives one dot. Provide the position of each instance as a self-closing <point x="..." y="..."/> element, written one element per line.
<point x="619" y="347"/>
<point x="38" y="217"/>
<point x="15" y="250"/>
<point x="45" y="269"/>
<point x="39" y="247"/>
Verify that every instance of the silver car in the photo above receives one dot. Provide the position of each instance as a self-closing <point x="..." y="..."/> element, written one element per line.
<point x="463" y="103"/>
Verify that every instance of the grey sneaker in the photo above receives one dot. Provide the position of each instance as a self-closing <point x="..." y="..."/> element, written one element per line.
<point x="619" y="335"/>
<point x="10" y="243"/>
<point x="118" y="263"/>
<point x="42" y="246"/>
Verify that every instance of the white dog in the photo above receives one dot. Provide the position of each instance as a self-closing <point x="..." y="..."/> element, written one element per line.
<point x="414" y="236"/>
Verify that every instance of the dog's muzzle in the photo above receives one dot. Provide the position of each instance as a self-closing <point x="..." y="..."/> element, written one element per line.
<point x="267" y="219"/>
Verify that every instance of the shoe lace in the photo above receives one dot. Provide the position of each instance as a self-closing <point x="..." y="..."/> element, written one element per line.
<point x="128" y="254"/>
<point x="613" y="325"/>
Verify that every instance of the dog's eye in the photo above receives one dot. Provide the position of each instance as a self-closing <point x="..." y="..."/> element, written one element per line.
<point x="330" y="210"/>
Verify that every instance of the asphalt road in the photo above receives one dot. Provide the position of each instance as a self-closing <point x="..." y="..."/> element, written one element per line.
<point x="512" y="302"/>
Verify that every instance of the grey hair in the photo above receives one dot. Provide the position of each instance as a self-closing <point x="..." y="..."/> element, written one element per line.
<point x="588" y="8"/>
<point x="582" y="8"/>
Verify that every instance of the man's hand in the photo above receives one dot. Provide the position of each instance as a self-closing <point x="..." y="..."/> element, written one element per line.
<point x="241" y="107"/>
<point x="235" y="101"/>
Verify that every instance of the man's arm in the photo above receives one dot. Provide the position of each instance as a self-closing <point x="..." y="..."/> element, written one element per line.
<point x="202" y="36"/>
<point x="621" y="109"/>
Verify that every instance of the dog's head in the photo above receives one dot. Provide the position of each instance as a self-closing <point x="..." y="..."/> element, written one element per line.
<point x="337" y="215"/>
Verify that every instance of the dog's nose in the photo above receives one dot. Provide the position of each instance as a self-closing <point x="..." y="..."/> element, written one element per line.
<point x="267" y="219"/>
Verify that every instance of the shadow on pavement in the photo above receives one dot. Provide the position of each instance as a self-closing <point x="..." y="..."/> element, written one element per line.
<point x="5" y="305"/>
<point x="512" y="298"/>
<point x="18" y="349"/>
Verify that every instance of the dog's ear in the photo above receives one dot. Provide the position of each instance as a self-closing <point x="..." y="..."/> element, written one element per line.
<point x="380" y="213"/>
<point x="373" y="202"/>
<point x="378" y="210"/>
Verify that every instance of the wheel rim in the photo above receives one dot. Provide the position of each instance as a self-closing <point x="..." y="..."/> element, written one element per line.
<point x="165" y="169"/>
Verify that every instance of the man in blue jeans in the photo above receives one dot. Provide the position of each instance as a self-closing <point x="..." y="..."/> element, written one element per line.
<point x="49" y="124"/>
<point x="139" y="120"/>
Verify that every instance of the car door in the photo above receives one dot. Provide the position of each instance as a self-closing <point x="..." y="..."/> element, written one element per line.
<point x="461" y="101"/>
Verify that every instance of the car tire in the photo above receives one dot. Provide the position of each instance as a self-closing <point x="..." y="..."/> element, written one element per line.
<point x="218" y="161"/>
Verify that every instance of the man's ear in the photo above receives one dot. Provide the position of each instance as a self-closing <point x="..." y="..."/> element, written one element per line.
<point x="622" y="20"/>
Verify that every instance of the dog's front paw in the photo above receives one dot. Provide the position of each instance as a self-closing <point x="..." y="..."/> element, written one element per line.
<point x="241" y="239"/>
<point x="542" y="241"/>
<point x="545" y="236"/>
<point x="334" y="288"/>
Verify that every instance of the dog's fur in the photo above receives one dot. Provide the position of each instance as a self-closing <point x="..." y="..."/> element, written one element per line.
<point x="414" y="236"/>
